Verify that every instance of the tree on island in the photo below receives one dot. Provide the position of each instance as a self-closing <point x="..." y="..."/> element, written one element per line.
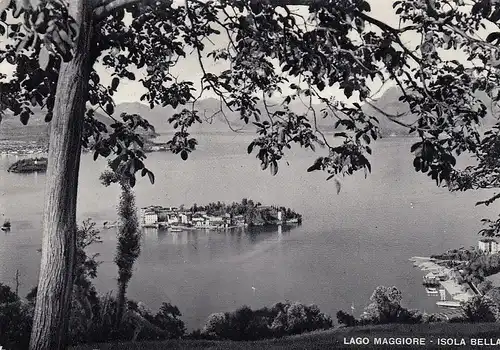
<point x="55" y="47"/>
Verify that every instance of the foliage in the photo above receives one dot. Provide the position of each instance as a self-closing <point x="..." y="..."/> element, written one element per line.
<point x="482" y="266"/>
<point x="481" y="309"/>
<point x="461" y="254"/>
<point x="252" y="212"/>
<point x="7" y="295"/>
<point x="167" y="318"/>
<point x="385" y="307"/>
<point x="432" y="318"/>
<point x="15" y="320"/>
<point x="269" y="49"/>
<point x="346" y="319"/>
<point x="281" y="319"/>
<point x="494" y="294"/>
<point x="129" y="236"/>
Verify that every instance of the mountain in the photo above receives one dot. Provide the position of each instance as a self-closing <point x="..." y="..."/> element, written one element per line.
<point x="390" y="104"/>
<point x="36" y="131"/>
<point x="11" y="128"/>
<point x="209" y="109"/>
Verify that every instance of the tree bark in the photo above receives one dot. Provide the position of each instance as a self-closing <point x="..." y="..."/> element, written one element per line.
<point x="120" y="302"/>
<point x="53" y="302"/>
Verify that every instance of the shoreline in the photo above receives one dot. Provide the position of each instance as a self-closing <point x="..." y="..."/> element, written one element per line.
<point x="453" y="288"/>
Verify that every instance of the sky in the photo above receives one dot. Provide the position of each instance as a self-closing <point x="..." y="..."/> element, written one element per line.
<point x="188" y="68"/>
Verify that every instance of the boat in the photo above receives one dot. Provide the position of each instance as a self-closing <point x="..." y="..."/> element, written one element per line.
<point x="175" y="229"/>
<point x="431" y="290"/>
<point x="6" y="225"/>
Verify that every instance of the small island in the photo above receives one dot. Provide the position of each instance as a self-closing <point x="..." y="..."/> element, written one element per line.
<point x="218" y="216"/>
<point x="29" y="165"/>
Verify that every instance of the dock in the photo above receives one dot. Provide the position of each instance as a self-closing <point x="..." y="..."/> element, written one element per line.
<point x="449" y="303"/>
<point x="459" y="293"/>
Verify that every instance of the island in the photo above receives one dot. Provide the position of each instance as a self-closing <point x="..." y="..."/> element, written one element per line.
<point x="218" y="216"/>
<point x="29" y="165"/>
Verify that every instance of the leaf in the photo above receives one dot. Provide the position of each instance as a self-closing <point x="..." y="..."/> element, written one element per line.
<point x="250" y="147"/>
<point x="338" y="185"/>
<point x="184" y="155"/>
<point x="110" y="109"/>
<point x="273" y="167"/>
<point x="25" y="116"/>
<point x="151" y="177"/>
<point x="348" y="91"/>
<point x="365" y="6"/>
<point x="114" y="83"/>
<point x="493" y="36"/>
<point x="43" y="58"/>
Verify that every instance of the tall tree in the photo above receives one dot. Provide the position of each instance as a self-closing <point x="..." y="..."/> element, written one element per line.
<point x="129" y="239"/>
<point x="272" y="53"/>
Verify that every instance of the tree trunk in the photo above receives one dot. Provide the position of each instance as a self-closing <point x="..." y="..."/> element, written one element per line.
<point x="120" y="302"/>
<point x="53" y="302"/>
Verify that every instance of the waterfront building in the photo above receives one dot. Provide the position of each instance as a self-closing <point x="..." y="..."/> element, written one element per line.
<point x="488" y="246"/>
<point x="216" y="221"/>
<point x="150" y="218"/>
<point x="198" y="221"/>
<point x="185" y="218"/>
<point x="239" y="220"/>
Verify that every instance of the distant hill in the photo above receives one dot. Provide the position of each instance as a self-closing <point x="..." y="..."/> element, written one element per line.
<point x="390" y="104"/>
<point x="208" y="108"/>
<point x="11" y="128"/>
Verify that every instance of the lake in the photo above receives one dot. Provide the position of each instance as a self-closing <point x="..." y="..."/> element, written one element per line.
<point x="348" y="244"/>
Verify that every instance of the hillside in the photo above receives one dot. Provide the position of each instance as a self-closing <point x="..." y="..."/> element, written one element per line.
<point x="11" y="129"/>
<point x="334" y="339"/>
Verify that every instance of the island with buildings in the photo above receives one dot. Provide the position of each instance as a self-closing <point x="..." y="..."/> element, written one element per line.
<point x="29" y="165"/>
<point x="218" y="216"/>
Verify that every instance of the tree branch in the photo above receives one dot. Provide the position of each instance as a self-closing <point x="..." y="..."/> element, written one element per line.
<point x="108" y="8"/>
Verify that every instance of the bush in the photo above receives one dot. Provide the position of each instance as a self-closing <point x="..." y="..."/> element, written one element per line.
<point x="385" y="307"/>
<point x="281" y="319"/>
<point x="346" y="319"/>
<point x="481" y="309"/>
<point x="15" y="320"/>
<point x="432" y="318"/>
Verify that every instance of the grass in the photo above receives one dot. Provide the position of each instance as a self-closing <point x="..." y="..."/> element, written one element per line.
<point x="332" y="339"/>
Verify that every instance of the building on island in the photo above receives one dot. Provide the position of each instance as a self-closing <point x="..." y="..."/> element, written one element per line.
<point x="150" y="218"/>
<point x="159" y="216"/>
<point x="488" y="246"/>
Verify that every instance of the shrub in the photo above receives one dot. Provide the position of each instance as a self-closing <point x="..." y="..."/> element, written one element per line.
<point x="346" y="319"/>
<point x="481" y="309"/>
<point x="279" y="320"/>
<point x="217" y="326"/>
<point x="385" y="307"/>
<point x="15" y="320"/>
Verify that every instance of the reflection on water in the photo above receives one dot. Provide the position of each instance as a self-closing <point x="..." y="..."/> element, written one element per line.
<point x="231" y="236"/>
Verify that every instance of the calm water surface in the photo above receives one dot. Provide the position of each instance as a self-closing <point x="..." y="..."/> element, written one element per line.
<point x="348" y="244"/>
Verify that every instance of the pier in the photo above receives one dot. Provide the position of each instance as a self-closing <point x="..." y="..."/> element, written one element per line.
<point x="458" y="292"/>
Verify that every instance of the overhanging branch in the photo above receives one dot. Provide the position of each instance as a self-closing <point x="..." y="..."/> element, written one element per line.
<point x="109" y="7"/>
<point x="105" y="10"/>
